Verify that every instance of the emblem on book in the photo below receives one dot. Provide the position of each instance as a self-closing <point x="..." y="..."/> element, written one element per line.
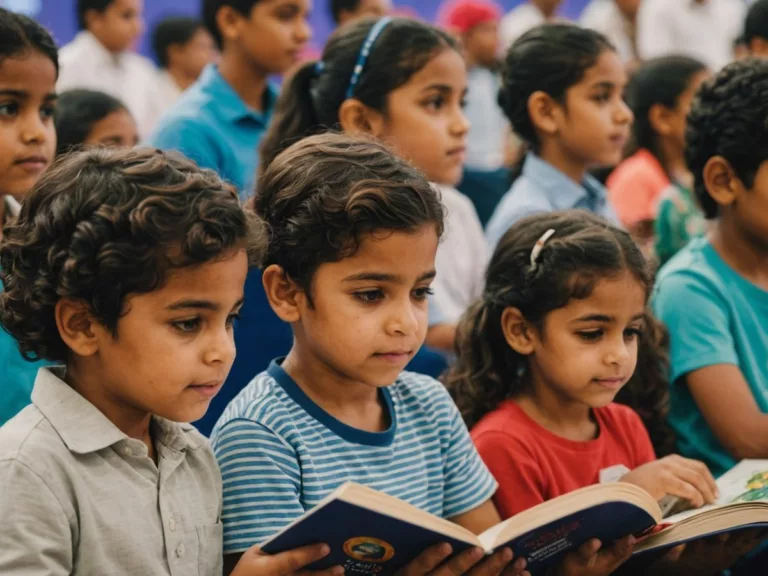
<point x="367" y="549"/>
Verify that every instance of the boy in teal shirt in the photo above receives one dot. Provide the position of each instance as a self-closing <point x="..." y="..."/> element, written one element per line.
<point x="713" y="295"/>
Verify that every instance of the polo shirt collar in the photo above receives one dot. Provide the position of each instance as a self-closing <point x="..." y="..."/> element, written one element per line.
<point x="232" y="107"/>
<point x="83" y="428"/>
<point x="561" y="192"/>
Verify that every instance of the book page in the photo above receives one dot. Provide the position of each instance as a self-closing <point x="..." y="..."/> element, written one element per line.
<point x="745" y="482"/>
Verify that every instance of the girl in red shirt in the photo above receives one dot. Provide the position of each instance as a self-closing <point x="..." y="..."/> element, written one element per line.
<point x="542" y="356"/>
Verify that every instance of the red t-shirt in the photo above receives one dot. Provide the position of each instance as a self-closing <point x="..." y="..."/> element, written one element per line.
<point x="533" y="465"/>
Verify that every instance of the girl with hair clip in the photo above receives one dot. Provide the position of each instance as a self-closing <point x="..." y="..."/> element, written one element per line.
<point x="562" y="90"/>
<point x="403" y="82"/>
<point x="542" y="356"/>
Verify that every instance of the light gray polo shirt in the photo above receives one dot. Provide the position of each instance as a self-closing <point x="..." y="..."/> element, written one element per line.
<point x="77" y="496"/>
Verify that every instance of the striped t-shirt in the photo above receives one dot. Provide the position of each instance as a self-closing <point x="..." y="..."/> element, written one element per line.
<point x="280" y="454"/>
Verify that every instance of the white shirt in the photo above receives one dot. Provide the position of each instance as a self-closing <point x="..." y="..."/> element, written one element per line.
<point x="487" y="140"/>
<point x="705" y="31"/>
<point x="518" y="21"/>
<point x="131" y="78"/>
<point x="605" y="17"/>
<point x="167" y="90"/>
<point x="462" y="257"/>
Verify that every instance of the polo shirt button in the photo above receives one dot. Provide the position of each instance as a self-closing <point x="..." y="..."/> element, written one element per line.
<point x="127" y="451"/>
<point x="172" y="524"/>
<point x="180" y="550"/>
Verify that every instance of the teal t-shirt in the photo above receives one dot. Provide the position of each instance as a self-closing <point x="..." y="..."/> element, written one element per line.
<point x="714" y="316"/>
<point x="16" y="375"/>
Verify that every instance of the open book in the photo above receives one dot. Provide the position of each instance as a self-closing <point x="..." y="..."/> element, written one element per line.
<point x="743" y="503"/>
<point x="372" y="533"/>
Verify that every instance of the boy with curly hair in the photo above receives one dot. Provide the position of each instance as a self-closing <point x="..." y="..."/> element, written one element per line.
<point x="713" y="295"/>
<point x="126" y="267"/>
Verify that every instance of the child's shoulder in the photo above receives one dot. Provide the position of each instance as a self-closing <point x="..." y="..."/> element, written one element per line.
<point x="425" y="396"/>
<point x="694" y="270"/>
<point x="262" y="401"/>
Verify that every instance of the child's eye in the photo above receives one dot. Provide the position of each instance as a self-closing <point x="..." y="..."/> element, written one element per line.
<point x="288" y="12"/>
<point x="47" y="111"/>
<point x="633" y="333"/>
<point x="187" y="326"/>
<point x="9" y="108"/>
<point x="435" y="103"/>
<point x="602" y="97"/>
<point x="232" y="318"/>
<point x="369" y="296"/>
<point x="590" y="335"/>
<point x="422" y="293"/>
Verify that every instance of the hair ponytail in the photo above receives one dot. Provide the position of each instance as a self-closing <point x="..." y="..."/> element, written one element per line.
<point x="295" y="116"/>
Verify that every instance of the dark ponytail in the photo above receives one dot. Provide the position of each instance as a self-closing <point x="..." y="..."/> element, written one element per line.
<point x="583" y="250"/>
<point x="549" y="58"/>
<point x="309" y="103"/>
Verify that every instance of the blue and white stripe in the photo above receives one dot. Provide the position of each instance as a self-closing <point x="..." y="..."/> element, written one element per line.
<point x="280" y="454"/>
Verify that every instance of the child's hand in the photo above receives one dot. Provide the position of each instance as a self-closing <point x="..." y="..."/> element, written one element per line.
<point x="255" y="563"/>
<point x="591" y="559"/>
<point x="471" y="562"/>
<point x="688" y="479"/>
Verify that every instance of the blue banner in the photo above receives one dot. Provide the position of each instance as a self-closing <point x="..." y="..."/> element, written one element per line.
<point x="59" y="15"/>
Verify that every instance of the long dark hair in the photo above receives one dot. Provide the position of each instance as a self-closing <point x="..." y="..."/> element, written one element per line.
<point x="309" y="102"/>
<point x="660" y="81"/>
<point x="549" y="58"/>
<point x="583" y="250"/>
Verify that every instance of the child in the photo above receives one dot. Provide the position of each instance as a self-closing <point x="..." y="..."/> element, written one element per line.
<point x="485" y="178"/>
<point x="713" y="294"/>
<point x="86" y="117"/>
<point x="756" y="29"/>
<point x="542" y="355"/>
<point x="220" y="120"/>
<point x="127" y="267"/>
<point x="183" y="48"/>
<point x="343" y="11"/>
<point x="101" y="57"/>
<point x="28" y="68"/>
<point x="660" y="96"/>
<point x="563" y="93"/>
<point x="349" y="266"/>
<point x="409" y="93"/>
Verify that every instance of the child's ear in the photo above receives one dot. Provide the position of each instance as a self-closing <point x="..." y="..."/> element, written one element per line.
<point x="517" y="332"/>
<point x="228" y="22"/>
<point x="542" y="110"/>
<point x="355" y="118"/>
<point x="77" y="327"/>
<point x="283" y="294"/>
<point x="659" y="119"/>
<point x="722" y="183"/>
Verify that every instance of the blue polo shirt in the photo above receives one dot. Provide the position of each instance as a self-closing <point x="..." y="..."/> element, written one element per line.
<point x="714" y="316"/>
<point x="211" y="125"/>
<point x="543" y="188"/>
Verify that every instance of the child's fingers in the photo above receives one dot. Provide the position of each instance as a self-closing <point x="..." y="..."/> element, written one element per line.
<point x="494" y="565"/>
<point x="675" y="485"/>
<point x="697" y="474"/>
<point x="427" y="561"/>
<point x="293" y="560"/>
<point x="622" y="549"/>
<point x="586" y="552"/>
<point x="461" y="563"/>
<point x="517" y="568"/>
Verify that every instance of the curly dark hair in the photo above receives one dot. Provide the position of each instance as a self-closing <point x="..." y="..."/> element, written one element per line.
<point x="321" y="196"/>
<point x="103" y="224"/>
<point x="550" y="58"/>
<point x="729" y="118"/>
<point x="583" y="250"/>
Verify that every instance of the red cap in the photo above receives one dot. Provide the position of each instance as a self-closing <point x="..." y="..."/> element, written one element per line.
<point x="463" y="15"/>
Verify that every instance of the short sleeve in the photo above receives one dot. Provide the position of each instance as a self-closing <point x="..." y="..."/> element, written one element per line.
<point x="698" y="321"/>
<point x="521" y="482"/>
<point x="189" y="139"/>
<point x="468" y="483"/>
<point x="261" y="483"/>
<point x="36" y="538"/>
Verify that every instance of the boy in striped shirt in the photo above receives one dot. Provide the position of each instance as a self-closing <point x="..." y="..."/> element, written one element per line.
<point x="353" y="236"/>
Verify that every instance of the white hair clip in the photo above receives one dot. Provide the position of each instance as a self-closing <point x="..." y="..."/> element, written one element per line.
<point x="539" y="246"/>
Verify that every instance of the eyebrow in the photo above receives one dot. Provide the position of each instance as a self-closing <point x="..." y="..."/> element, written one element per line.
<point x="604" y="318"/>
<point x="604" y="85"/>
<point x="383" y="277"/>
<point x="199" y="305"/>
<point x="439" y="88"/>
<point x="25" y="94"/>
